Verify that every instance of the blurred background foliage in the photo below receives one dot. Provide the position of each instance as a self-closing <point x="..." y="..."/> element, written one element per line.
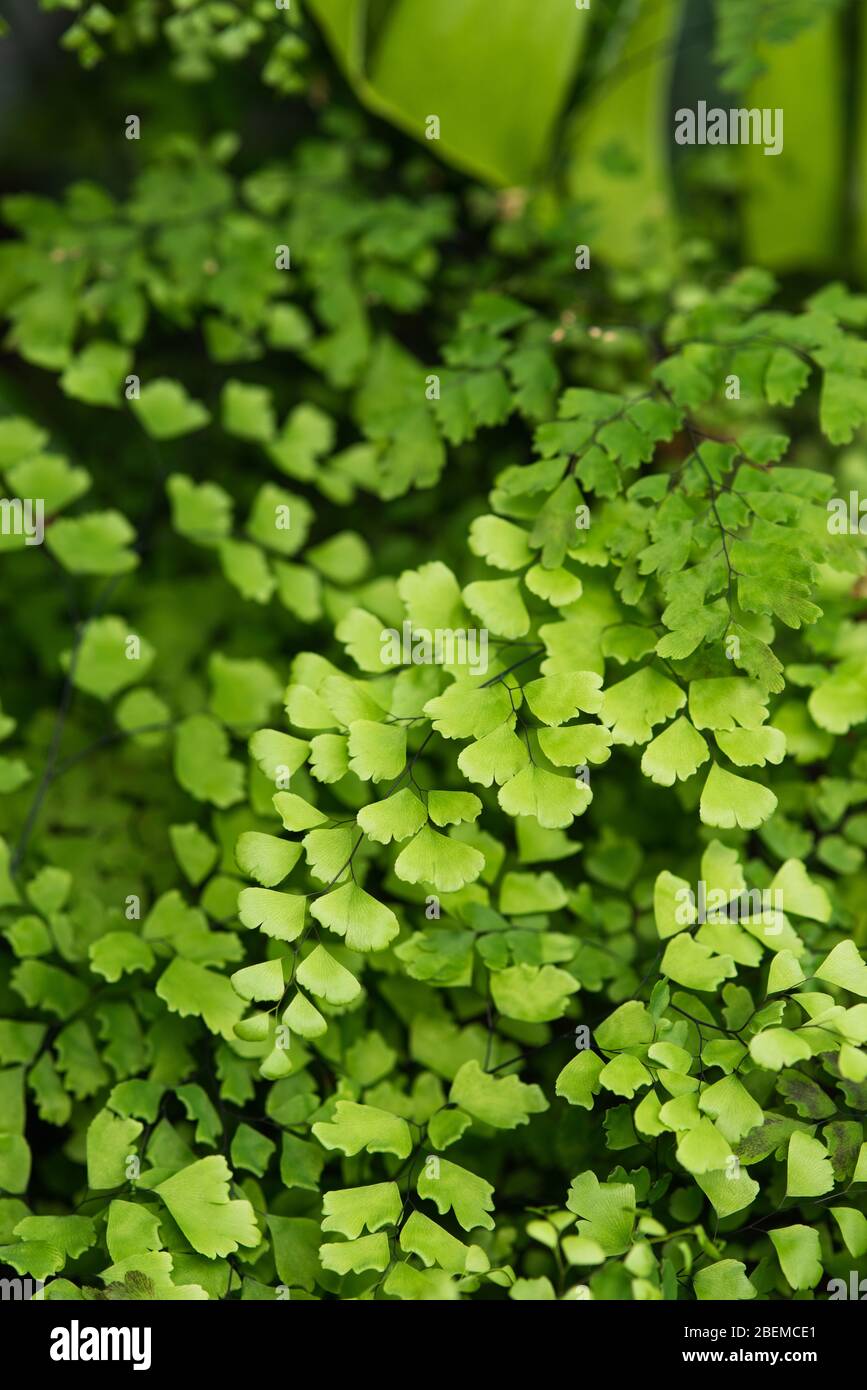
<point x="573" y="102"/>
<point x="262" y="125"/>
<point x="253" y="134"/>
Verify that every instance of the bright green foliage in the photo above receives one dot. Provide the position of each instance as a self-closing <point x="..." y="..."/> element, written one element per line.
<point x="432" y="795"/>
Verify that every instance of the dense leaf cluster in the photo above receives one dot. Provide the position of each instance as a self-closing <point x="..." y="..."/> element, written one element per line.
<point x="432" y="824"/>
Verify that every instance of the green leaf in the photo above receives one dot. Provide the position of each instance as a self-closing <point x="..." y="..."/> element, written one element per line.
<point x="354" y="1128"/>
<point x="356" y="1256"/>
<point x="726" y="702"/>
<point x="552" y="799"/>
<point x="110" y="1143"/>
<point x="843" y="407"/>
<point x="633" y="706"/>
<point x="366" y="925"/>
<point x="307" y="433"/>
<point x="187" y="988"/>
<point x="202" y="766"/>
<point x="776" y="1048"/>
<point x="844" y="967"/>
<point x="435" y="859"/>
<point x="304" y="1018"/>
<point x="500" y="606"/>
<point x="103" y="665"/>
<point x="251" y="1150"/>
<point x="194" y="850"/>
<point x="266" y="858"/>
<point x="840" y="701"/>
<point x="435" y="1246"/>
<point x="344" y="558"/>
<point x="727" y="801"/>
<point x="784" y="972"/>
<point x="556" y="699"/>
<point x="166" y="411"/>
<point x="800" y="895"/>
<point x="200" y="511"/>
<point x="526" y="893"/>
<point x="624" y="1075"/>
<point x="15" y="1162"/>
<point x="20" y="439"/>
<point x="467" y="710"/>
<point x="49" y="987"/>
<point x="809" y="1172"/>
<point x="607" y="1211"/>
<point x="728" y="1190"/>
<point x="628" y="1026"/>
<point x="278" y="755"/>
<point x="279" y="915"/>
<point x="693" y="965"/>
<point x="786" y="376"/>
<point x="327" y="978"/>
<point x="377" y="752"/>
<point x="263" y="981"/>
<point x="798" y="1251"/>
<point x="51" y="478"/>
<point x="396" y="817"/>
<point x="301" y="1164"/>
<point x="499" y="542"/>
<point x="328" y="851"/>
<point x="71" y="1235"/>
<point x="144" y="716"/>
<point x="731" y="1107"/>
<point x="503" y="1102"/>
<point x="452" y="808"/>
<point x="753" y="747"/>
<point x="96" y="375"/>
<point x="296" y="1250"/>
<point x="454" y="1189"/>
<point x="197" y="1197"/>
<point x="36" y="1258"/>
<point x="676" y="753"/>
<point x="533" y="994"/>
<point x="119" y="952"/>
<point x="241" y="691"/>
<point x="578" y="1082"/>
<point x="247" y="412"/>
<point x="497" y="757"/>
<point x="723" y="1282"/>
<point x="673" y="904"/>
<point x="703" y="1149"/>
<point x="411" y="65"/>
<point x="247" y="570"/>
<point x="351" y="1210"/>
<point x="853" y="1229"/>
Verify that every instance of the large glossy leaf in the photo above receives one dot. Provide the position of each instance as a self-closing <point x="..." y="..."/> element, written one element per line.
<point x="792" y="200"/>
<point x="619" y="138"/>
<point x="495" y="75"/>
